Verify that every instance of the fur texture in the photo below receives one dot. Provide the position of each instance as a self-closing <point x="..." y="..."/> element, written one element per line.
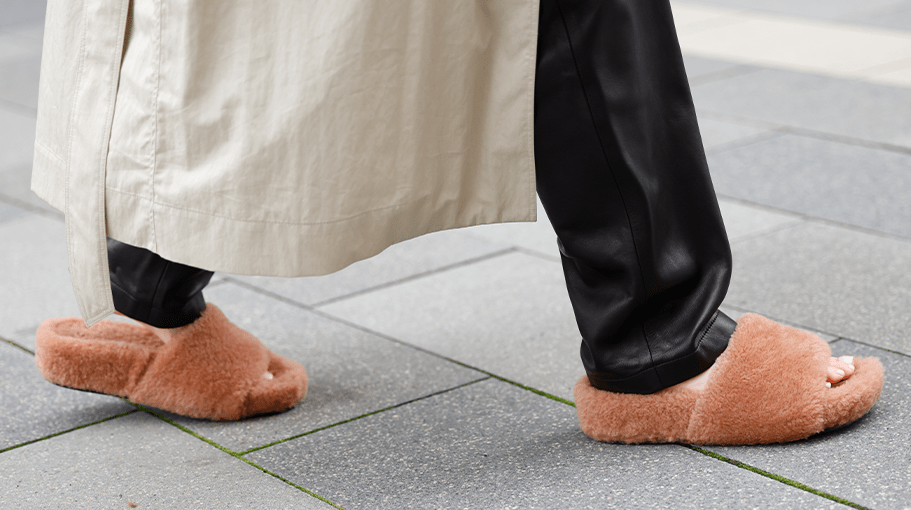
<point x="212" y="369"/>
<point x="767" y="387"/>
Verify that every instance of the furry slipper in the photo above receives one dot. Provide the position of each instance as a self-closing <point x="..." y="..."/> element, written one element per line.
<point x="211" y="370"/>
<point x="768" y="386"/>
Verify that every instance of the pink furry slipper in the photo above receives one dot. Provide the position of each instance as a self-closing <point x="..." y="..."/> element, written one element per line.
<point x="211" y="370"/>
<point x="768" y="386"/>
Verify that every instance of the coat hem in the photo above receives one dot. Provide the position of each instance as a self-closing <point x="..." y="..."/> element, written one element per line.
<point x="284" y="249"/>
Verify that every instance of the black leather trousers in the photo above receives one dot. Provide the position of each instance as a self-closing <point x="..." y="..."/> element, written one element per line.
<point x="153" y="290"/>
<point x="623" y="177"/>
<point x="622" y="174"/>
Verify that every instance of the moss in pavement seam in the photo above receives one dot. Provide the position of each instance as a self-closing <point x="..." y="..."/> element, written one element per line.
<point x="285" y="440"/>
<point x="777" y="478"/>
<point x="66" y="431"/>
<point x="234" y="454"/>
<point x="14" y="344"/>
<point x="539" y="392"/>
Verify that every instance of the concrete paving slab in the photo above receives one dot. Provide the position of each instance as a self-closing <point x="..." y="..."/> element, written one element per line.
<point x="833" y="279"/>
<point x="20" y="11"/>
<point x="32" y="30"/>
<point x="34" y="274"/>
<point x="9" y="212"/>
<point x="774" y="40"/>
<point x="698" y="67"/>
<point x="351" y="372"/>
<point x="736" y="313"/>
<point x="15" y="189"/>
<point x="141" y="460"/>
<point x="403" y="260"/>
<point x="867" y="111"/>
<point x="493" y="445"/>
<point x="538" y="237"/>
<point x="34" y="408"/>
<point x="819" y="9"/>
<point x="717" y="134"/>
<point x="868" y="462"/>
<point x="860" y="186"/>
<point x="19" y="82"/>
<point x="17" y="141"/>
<point x="743" y="221"/>
<point x="14" y="47"/>
<point x="896" y="15"/>
<point x="509" y="315"/>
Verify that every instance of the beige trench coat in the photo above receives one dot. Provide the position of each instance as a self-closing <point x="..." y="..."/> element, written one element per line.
<point x="280" y="137"/>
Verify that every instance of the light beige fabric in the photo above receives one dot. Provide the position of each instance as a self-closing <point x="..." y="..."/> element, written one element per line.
<point x="286" y="137"/>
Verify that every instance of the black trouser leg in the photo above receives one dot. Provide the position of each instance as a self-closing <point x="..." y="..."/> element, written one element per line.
<point x="622" y="175"/>
<point x="153" y="290"/>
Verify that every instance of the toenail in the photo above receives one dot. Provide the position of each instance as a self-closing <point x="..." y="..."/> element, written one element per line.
<point x="839" y="372"/>
<point x="268" y="375"/>
<point x="828" y="385"/>
<point x="848" y="359"/>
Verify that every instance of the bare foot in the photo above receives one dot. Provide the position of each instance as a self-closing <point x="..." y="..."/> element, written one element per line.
<point x="839" y="370"/>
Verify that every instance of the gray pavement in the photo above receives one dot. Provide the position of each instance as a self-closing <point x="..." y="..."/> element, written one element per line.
<point x="441" y="370"/>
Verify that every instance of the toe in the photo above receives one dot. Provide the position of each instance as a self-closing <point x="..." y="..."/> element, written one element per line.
<point x="840" y="369"/>
<point x="846" y="363"/>
<point x="834" y="374"/>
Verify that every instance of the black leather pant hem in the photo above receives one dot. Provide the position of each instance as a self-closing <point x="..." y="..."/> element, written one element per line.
<point x="714" y="341"/>
<point x="155" y="317"/>
<point x="153" y="290"/>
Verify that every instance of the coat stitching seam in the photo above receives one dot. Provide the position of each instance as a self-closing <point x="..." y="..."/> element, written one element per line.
<point x="154" y="141"/>
<point x="205" y="213"/>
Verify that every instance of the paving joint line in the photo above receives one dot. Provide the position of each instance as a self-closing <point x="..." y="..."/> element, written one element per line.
<point x="416" y="276"/>
<point x="312" y="308"/>
<point x="818" y="219"/>
<point x="801" y="131"/>
<point x="722" y="74"/>
<point x="788" y="322"/>
<point x="437" y="355"/>
<point x="348" y="323"/>
<point x="872" y="346"/>
<point x="535" y="253"/>
<point x="762" y="136"/>
<point x="424" y="397"/>
<point x="529" y="388"/>
<point x="365" y="329"/>
<point x="18" y="109"/>
<point x="812" y="329"/>
<point x="14" y="344"/>
<point x="836" y="336"/>
<point x="234" y="454"/>
<point x="844" y="139"/>
<point x="33" y="441"/>
<point x="34" y="209"/>
<point x="777" y="478"/>
<point x="796" y="222"/>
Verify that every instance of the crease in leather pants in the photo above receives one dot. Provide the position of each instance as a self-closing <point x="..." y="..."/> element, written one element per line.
<point x="622" y="175"/>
